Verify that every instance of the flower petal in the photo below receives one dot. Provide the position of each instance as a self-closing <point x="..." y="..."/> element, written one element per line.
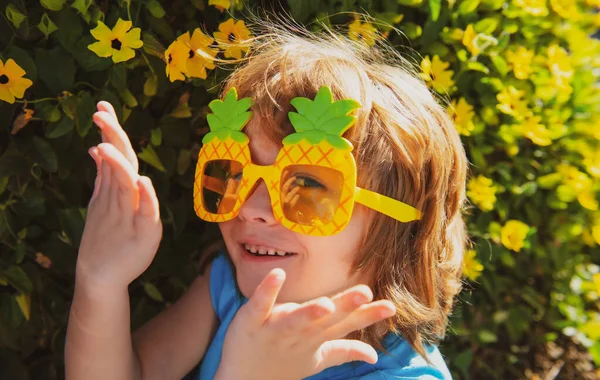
<point x="12" y="70"/>
<point x="6" y="95"/>
<point x="121" y="28"/>
<point x="101" y="48"/>
<point x="123" y="55"/>
<point x="132" y="39"/>
<point x="101" y="32"/>
<point x="18" y="86"/>
<point x="196" y="68"/>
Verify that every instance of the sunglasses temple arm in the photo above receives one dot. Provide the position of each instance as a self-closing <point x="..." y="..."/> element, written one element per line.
<point x="386" y="205"/>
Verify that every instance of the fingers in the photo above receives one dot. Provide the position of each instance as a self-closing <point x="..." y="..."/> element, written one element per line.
<point x="301" y="317"/>
<point x="149" y="208"/>
<point x="98" y="160"/>
<point x="364" y="316"/>
<point x="124" y="190"/>
<point x="261" y="302"/>
<point x="113" y="133"/>
<point x="336" y="352"/>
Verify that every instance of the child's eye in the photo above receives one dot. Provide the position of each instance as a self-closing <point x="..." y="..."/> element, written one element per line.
<point x="302" y="181"/>
<point x="236" y="176"/>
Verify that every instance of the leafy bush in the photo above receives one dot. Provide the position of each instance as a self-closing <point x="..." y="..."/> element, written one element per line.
<point x="523" y="79"/>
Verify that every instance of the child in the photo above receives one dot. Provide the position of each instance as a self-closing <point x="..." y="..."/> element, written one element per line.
<point x="332" y="271"/>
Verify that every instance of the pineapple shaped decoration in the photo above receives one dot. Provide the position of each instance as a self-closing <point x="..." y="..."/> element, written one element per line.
<point x="318" y="141"/>
<point x="225" y="150"/>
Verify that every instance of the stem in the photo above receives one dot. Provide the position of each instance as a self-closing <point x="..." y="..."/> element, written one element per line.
<point x="88" y="84"/>
<point x="128" y="11"/>
<point x="35" y="101"/>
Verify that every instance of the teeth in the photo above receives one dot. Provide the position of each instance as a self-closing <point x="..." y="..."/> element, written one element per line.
<point x="264" y="251"/>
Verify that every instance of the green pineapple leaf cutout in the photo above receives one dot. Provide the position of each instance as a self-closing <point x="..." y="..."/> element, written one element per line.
<point x="228" y="118"/>
<point x="322" y="119"/>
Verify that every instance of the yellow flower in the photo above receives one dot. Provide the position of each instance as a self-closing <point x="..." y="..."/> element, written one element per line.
<point x="512" y="104"/>
<point x="591" y="161"/>
<point x="587" y="199"/>
<point x="363" y="32"/>
<point x="176" y="55"/>
<point x="221" y="5"/>
<point x="482" y="192"/>
<point x="513" y="234"/>
<point x="436" y="75"/>
<point x="471" y="267"/>
<point x="596" y="234"/>
<point x="565" y="8"/>
<point x="596" y="278"/>
<point x="560" y="66"/>
<point x="117" y="43"/>
<point x="462" y="114"/>
<point x="198" y="50"/>
<point x="469" y="40"/>
<point x="520" y="59"/>
<point x="536" y="132"/>
<point x="12" y="83"/>
<point x="232" y="38"/>
<point x="533" y="7"/>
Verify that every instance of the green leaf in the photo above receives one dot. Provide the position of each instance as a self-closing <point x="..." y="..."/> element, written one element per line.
<point x="72" y="221"/>
<point x="150" y="85"/>
<point x="487" y="336"/>
<point x="302" y="105"/>
<point x="85" y="110"/>
<point x="338" y="125"/>
<point x="44" y="155"/>
<point x="156" y="137"/>
<point x="56" y="68"/>
<point x="53" y="5"/>
<point x="155" y="9"/>
<point x="148" y="155"/>
<point x="118" y="76"/>
<point x="128" y="98"/>
<point x="416" y="3"/>
<point x="468" y="6"/>
<point x="435" y="7"/>
<point x="17" y="278"/>
<point x="477" y="66"/>
<point x="214" y="122"/>
<point x="487" y="25"/>
<point x="153" y="292"/>
<point x="24" y="302"/>
<point x="500" y="64"/>
<point x="337" y="109"/>
<point x="82" y="5"/>
<point x="239" y="137"/>
<point x="299" y="122"/>
<point x="152" y="46"/>
<point x="14" y="15"/>
<point x="61" y="128"/>
<point x="46" y="25"/>
<point x="183" y="161"/>
<point x="292" y="139"/>
<point x="338" y="142"/>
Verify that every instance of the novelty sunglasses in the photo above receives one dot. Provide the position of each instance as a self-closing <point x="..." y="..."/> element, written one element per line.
<point x="312" y="184"/>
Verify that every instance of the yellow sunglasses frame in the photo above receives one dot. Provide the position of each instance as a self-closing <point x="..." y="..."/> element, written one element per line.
<point x="271" y="175"/>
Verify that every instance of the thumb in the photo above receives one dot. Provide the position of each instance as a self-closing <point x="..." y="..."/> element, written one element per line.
<point x="261" y="302"/>
<point x="336" y="352"/>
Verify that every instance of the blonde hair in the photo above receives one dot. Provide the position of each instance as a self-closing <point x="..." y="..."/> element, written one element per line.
<point x="405" y="146"/>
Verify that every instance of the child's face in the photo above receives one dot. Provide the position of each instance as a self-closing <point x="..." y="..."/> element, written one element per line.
<point x="318" y="265"/>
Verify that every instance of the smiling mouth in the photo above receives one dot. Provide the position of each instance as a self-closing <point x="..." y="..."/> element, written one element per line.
<point x="257" y="250"/>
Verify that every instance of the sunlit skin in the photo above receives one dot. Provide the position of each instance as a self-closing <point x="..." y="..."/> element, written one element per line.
<point x="320" y="265"/>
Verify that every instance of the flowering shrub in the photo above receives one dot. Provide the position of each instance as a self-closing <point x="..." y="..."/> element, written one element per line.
<point x="521" y="81"/>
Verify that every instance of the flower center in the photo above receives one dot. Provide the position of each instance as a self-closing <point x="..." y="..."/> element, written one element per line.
<point x="3" y="79"/>
<point x="191" y="54"/>
<point x="116" y="44"/>
<point x="231" y="37"/>
<point x="170" y="58"/>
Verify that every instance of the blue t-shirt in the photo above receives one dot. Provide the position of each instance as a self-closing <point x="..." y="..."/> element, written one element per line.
<point x="402" y="362"/>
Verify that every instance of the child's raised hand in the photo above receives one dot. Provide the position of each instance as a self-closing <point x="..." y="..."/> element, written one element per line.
<point x="294" y="341"/>
<point x="123" y="227"/>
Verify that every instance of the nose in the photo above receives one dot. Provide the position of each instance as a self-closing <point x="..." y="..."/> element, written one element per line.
<point x="257" y="208"/>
